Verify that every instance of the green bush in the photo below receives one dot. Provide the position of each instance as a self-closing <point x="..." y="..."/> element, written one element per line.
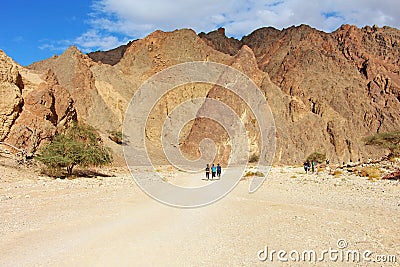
<point x="116" y="136"/>
<point x="254" y="158"/>
<point x="317" y="157"/>
<point x="388" y="140"/>
<point x="54" y="172"/>
<point x="78" y="145"/>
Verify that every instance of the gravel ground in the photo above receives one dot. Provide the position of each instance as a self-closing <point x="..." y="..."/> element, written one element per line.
<point x="103" y="221"/>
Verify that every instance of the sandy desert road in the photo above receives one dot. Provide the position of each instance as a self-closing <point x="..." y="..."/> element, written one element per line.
<point x="111" y="222"/>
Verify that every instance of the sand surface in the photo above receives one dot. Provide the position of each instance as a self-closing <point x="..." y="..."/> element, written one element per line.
<point x="109" y="221"/>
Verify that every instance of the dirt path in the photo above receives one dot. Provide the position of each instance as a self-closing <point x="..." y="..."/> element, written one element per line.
<point x="110" y="222"/>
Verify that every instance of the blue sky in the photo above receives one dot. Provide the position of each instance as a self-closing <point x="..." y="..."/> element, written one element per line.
<point x="36" y="30"/>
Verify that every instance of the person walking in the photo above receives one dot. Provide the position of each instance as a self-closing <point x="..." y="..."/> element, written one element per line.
<point x="213" y="171"/>
<point x="218" y="170"/>
<point x="208" y="172"/>
<point x="306" y="166"/>
<point x="313" y="164"/>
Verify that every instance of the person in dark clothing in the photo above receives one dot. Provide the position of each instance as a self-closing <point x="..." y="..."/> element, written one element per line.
<point x="307" y="166"/>
<point x="208" y="171"/>
<point x="213" y="171"/>
<point x="218" y="170"/>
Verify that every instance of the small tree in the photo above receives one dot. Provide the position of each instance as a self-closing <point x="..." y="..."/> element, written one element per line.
<point x="317" y="157"/>
<point x="77" y="145"/>
<point x="388" y="140"/>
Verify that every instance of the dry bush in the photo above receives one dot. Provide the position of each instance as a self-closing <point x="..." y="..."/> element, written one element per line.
<point x="117" y="137"/>
<point x="248" y="174"/>
<point x="320" y="169"/>
<point x="387" y="140"/>
<point x="257" y="173"/>
<point x="337" y="173"/>
<point x="254" y="158"/>
<point x="370" y="172"/>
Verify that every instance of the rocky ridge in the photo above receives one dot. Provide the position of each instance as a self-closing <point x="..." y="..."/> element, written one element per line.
<point x="339" y="86"/>
<point x="326" y="90"/>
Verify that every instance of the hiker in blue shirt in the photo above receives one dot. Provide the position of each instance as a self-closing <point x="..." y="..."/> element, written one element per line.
<point x="218" y="170"/>
<point x="213" y="171"/>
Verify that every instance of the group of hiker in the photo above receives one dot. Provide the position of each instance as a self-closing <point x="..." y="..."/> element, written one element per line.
<point x="310" y="166"/>
<point x="215" y="171"/>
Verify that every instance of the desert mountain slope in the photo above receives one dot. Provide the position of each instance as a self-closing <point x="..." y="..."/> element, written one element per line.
<point x="342" y="86"/>
<point x="326" y="90"/>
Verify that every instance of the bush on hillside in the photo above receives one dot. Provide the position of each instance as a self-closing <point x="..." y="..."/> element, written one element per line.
<point x="388" y="140"/>
<point x="116" y="136"/>
<point x="317" y="157"/>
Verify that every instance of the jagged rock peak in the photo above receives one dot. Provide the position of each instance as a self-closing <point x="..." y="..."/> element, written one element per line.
<point x="73" y="51"/>
<point x="219" y="41"/>
<point x="50" y="77"/>
<point x="110" y="57"/>
<point x="8" y="69"/>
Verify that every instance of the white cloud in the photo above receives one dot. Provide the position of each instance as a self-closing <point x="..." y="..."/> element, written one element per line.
<point x="93" y="39"/>
<point x="87" y="42"/>
<point x="114" y="22"/>
<point x="56" y="46"/>
<point x="138" y="18"/>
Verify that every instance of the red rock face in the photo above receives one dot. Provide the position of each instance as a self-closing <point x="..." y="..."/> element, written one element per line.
<point x="73" y="71"/>
<point x="110" y="57"/>
<point x="218" y="40"/>
<point x="326" y="90"/>
<point x="245" y="62"/>
<point x="45" y="109"/>
<point x="392" y="176"/>
<point x="339" y="87"/>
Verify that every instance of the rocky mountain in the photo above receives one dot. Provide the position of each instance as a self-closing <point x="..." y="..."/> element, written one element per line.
<point x="337" y="87"/>
<point x="326" y="90"/>
<point x="110" y="57"/>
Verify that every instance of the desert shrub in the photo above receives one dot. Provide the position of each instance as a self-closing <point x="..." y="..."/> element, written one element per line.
<point x="317" y="157"/>
<point x="54" y="172"/>
<point x="320" y="169"/>
<point x="116" y="136"/>
<point x="370" y="172"/>
<point x="388" y="140"/>
<point x="254" y="158"/>
<point x="257" y="173"/>
<point x="79" y="144"/>
<point x="337" y="173"/>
